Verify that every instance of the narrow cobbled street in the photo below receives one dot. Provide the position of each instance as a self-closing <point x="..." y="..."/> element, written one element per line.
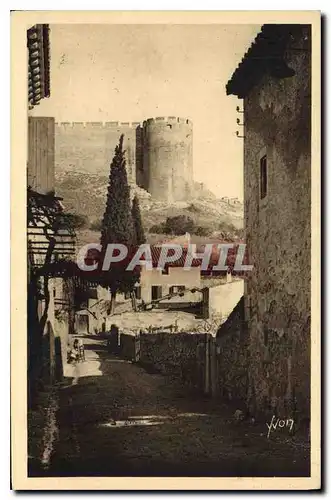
<point x="117" y="419"/>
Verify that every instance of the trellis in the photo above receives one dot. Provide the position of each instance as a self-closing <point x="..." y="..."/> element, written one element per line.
<point x="50" y="232"/>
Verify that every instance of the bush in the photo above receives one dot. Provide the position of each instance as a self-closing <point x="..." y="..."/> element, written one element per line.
<point x="75" y="221"/>
<point x="178" y="225"/>
<point x="229" y="230"/>
<point x="193" y="208"/>
<point x="226" y="226"/>
<point x="201" y="231"/>
<point x="96" y="225"/>
<point x="157" y="229"/>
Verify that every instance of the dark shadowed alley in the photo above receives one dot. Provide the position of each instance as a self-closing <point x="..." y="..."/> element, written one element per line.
<point x="117" y="419"/>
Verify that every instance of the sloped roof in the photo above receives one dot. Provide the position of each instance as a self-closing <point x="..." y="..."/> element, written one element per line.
<point x="94" y="256"/>
<point x="156" y="252"/>
<point x="39" y="63"/>
<point x="265" y="55"/>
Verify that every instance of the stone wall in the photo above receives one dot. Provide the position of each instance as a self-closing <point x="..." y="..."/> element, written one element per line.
<point x="277" y="124"/>
<point x="128" y="346"/>
<point x="158" y="153"/>
<point x="232" y="350"/>
<point x="181" y="355"/>
<point x="218" y="366"/>
<point x="56" y="334"/>
<point x="168" y="158"/>
<point x="89" y="147"/>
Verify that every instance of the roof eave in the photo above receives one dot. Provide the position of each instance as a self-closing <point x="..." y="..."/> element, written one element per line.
<point x="267" y="48"/>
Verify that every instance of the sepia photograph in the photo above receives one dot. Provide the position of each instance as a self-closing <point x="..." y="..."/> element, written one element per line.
<point x="168" y="207"/>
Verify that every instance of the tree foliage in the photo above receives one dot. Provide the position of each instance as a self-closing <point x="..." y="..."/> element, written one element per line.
<point x="137" y="222"/>
<point x="201" y="231"/>
<point x="179" y="224"/>
<point x="96" y="225"/>
<point x="76" y="221"/>
<point x="117" y="225"/>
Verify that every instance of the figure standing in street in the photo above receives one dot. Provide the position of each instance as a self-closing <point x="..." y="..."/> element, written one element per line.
<point x="81" y="349"/>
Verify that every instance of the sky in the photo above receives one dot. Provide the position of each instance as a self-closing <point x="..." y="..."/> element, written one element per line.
<point x="134" y="72"/>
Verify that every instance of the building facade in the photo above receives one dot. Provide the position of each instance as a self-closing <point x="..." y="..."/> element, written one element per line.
<point x="50" y="237"/>
<point x="156" y="283"/>
<point x="274" y="81"/>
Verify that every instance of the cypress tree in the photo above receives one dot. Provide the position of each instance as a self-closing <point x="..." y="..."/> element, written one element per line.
<point x="117" y="226"/>
<point x="137" y="222"/>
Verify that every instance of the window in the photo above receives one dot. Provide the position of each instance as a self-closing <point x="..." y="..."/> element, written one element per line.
<point x="177" y="289"/>
<point x="138" y="292"/>
<point x="263" y="176"/>
<point x="165" y="270"/>
<point x="156" y="292"/>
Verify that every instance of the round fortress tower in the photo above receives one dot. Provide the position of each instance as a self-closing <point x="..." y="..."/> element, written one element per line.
<point x="167" y="158"/>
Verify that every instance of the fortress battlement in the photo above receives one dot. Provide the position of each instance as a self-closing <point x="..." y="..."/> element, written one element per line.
<point x="114" y="124"/>
<point x="97" y="124"/>
<point x="168" y="119"/>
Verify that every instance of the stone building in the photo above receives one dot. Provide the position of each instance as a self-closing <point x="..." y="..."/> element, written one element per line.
<point x="174" y="278"/>
<point x="159" y="152"/>
<point x="49" y="239"/>
<point x="274" y="81"/>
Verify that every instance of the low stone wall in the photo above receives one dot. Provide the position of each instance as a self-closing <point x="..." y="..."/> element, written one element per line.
<point x="232" y="349"/>
<point x="181" y="355"/>
<point x="128" y="346"/>
<point x="42" y="429"/>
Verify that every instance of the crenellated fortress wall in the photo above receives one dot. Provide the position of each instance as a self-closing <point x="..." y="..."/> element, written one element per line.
<point x="89" y="147"/>
<point x="158" y="152"/>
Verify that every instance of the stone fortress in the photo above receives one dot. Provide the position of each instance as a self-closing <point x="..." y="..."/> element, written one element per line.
<point x="159" y="153"/>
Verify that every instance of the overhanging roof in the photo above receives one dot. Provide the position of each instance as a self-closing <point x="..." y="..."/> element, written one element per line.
<point x="39" y="63"/>
<point x="265" y="55"/>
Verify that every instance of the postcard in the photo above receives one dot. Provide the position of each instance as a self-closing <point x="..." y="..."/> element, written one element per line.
<point x="165" y="250"/>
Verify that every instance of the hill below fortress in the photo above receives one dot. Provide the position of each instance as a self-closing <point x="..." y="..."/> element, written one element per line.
<point x="84" y="194"/>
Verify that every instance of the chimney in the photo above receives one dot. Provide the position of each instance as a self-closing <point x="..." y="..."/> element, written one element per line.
<point x="188" y="238"/>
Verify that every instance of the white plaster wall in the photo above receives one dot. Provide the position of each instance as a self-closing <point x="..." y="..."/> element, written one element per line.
<point x="224" y="298"/>
<point x="177" y="276"/>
